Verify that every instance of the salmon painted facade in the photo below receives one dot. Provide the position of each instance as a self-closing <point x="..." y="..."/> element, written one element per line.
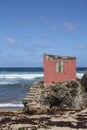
<point x="58" y="69"/>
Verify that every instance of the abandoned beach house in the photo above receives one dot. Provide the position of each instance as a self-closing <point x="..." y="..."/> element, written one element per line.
<point x="58" y="69"/>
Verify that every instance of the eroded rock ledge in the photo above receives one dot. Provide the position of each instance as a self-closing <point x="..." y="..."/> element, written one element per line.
<point x="70" y="95"/>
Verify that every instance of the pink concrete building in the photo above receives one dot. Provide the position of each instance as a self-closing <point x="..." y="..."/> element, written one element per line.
<point x="58" y="69"/>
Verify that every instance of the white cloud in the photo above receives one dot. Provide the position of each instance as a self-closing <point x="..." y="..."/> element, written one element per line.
<point x="10" y="40"/>
<point x="52" y="27"/>
<point x="69" y="26"/>
<point x="83" y="46"/>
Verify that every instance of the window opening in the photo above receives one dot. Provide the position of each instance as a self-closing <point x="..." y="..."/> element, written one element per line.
<point x="60" y="67"/>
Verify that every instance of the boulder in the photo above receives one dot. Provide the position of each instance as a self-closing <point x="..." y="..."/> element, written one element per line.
<point x="84" y="81"/>
<point x="68" y="95"/>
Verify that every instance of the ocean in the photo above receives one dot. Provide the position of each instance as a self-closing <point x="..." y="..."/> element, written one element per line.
<point x="15" y="83"/>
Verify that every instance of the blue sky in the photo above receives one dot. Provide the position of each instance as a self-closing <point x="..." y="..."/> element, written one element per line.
<point x="29" y="28"/>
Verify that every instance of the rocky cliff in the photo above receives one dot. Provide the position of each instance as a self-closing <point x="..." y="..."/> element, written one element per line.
<point x="69" y="95"/>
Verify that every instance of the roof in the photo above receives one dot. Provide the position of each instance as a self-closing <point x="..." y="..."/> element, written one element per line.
<point x="55" y="57"/>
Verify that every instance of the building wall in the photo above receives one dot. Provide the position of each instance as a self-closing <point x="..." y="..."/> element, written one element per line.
<point x="50" y="74"/>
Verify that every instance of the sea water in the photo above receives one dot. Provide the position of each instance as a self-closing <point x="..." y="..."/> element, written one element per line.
<point x="15" y="83"/>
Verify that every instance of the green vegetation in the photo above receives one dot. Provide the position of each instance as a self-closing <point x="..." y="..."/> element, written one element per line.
<point x="23" y="128"/>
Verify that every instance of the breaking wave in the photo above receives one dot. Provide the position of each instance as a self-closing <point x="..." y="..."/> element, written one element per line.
<point x="10" y="105"/>
<point x="18" y="78"/>
<point x="79" y="75"/>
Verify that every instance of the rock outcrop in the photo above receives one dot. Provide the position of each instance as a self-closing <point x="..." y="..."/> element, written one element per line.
<point x="32" y="101"/>
<point x="84" y="81"/>
<point x="68" y="95"/>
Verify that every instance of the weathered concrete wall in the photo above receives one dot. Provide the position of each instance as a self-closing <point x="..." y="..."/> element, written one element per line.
<point x="50" y="74"/>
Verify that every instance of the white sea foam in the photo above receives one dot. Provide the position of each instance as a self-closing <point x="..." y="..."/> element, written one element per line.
<point x="27" y="76"/>
<point x="79" y="75"/>
<point x="20" y="76"/>
<point x="10" y="105"/>
<point x="15" y="78"/>
<point x="6" y="82"/>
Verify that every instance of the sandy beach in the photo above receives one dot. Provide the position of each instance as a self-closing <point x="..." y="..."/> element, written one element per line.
<point x="62" y="120"/>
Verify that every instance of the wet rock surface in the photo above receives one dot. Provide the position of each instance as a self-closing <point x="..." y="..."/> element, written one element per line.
<point x="69" y="95"/>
